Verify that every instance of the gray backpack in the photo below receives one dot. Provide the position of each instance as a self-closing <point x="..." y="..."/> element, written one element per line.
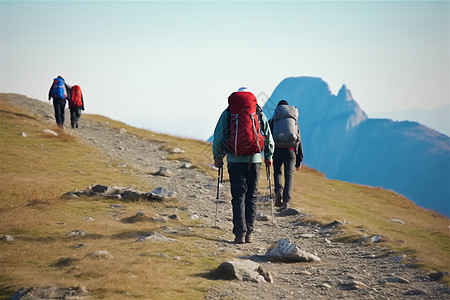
<point x="286" y="132"/>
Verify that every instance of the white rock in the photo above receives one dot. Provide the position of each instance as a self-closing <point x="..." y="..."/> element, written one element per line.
<point x="396" y="221"/>
<point x="100" y="254"/>
<point x="49" y="132"/>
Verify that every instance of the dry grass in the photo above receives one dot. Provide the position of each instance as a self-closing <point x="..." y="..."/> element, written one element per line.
<point x="35" y="170"/>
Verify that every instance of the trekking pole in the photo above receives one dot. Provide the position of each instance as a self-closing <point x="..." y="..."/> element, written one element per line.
<point x="219" y="180"/>
<point x="270" y="189"/>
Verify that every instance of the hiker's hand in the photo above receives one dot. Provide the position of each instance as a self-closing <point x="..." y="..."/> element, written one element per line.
<point x="299" y="167"/>
<point x="268" y="162"/>
<point x="218" y="164"/>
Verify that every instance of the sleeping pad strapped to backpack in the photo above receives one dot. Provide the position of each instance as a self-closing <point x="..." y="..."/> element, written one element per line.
<point x="245" y="134"/>
<point x="286" y="133"/>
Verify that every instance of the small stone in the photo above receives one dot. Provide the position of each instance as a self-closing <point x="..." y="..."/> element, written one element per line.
<point x="114" y="197"/>
<point x="89" y="219"/>
<point x="161" y="219"/>
<point x="186" y="166"/>
<point x="98" y="188"/>
<point x="129" y="195"/>
<point x="324" y="285"/>
<point x="159" y="194"/>
<point x="155" y="237"/>
<point x="377" y="239"/>
<point x="396" y="221"/>
<point x="194" y="216"/>
<point x="101" y="254"/>
<point x="438" y="276"/>
<point x="261" y="217"/>
<point x="177" y="151"/>
<point x="7" y="238"/>
<point x="163" y="171"/>
<point x="393" y="279"/>
<point x="289" y="212"/>
<point x="307" y="235"/>
<point x="23" y="134"/>
<point x="414" y="292"/>
<point x="77" y="233"/>
<point x="123" y="130"/>
<point x="49" y="132"/>
<point x="353" y="285"/>
<point x="116" y="206"/>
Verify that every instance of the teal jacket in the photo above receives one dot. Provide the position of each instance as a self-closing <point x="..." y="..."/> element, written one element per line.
<point x="220" y="142"/>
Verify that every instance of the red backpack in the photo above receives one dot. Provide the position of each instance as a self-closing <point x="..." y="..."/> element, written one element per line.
<point x="245" y="134"/>
<point x="75" y="98"/>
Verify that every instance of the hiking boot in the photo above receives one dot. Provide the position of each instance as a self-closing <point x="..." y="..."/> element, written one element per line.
<point x="76" y="124"/>
<point x="278" y="202"/>
<point x="239" y="240"/>
<point x="249" y="237"/>
<point x="285" y="205"/>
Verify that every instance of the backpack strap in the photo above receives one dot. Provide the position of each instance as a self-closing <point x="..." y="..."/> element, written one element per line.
<point x="262" y="126"/>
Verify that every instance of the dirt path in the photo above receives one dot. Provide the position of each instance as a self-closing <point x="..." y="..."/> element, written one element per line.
<point x="346" y="271"/>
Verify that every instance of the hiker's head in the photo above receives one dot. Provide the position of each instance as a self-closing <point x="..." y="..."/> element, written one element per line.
<point x="60" y="77"/>
<point x="283" y="102"/>
<point x="244" y="89"/>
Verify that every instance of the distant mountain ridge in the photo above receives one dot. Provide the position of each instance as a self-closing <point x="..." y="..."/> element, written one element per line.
<point x="341" y="141"/>
<point x="437" y="118"/>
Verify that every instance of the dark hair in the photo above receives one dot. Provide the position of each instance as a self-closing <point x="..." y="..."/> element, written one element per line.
<point x="283" y="102"/>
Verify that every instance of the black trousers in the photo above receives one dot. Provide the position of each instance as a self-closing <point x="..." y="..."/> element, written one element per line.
<point x="244" y="192"/>
<point x="75" y="114"/>
<point x="59" y="106"/>
<point x="287" y="158"/>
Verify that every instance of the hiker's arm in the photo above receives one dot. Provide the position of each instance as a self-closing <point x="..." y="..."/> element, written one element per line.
<point x="82" y="101"/>
<point x="219" y="143"/>
<point x="50" y="92"/>
<point x="67" y="91"/>
<point x="299" y="156"/>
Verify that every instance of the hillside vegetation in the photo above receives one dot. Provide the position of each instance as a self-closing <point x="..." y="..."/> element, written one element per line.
<point x="36" y="170"/>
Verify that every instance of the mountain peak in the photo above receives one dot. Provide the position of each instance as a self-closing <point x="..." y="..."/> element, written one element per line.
<point x="345" y="93"/>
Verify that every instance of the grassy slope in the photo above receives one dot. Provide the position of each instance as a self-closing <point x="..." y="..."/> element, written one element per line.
<point x="34" y="172"/>
<point x="31" y="211"/>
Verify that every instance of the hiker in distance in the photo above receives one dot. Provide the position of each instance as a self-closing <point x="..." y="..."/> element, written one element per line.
<point x="288" y="150"/>
<point x="242" y="133"/>
<point x="59" y="92"/>
<point x="76" y="105"/>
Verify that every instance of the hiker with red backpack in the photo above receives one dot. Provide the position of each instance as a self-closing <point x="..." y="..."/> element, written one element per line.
<point x="59" y="92"/>
<point x="76" y="105"/>
<point x="288" y="150"/>
<point x="242" y="134"/>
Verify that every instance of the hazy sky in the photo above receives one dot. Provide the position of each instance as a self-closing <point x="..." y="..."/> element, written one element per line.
<point x="170" y="66"/>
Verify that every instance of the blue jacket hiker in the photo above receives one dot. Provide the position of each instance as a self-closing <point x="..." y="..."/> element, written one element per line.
<point x="59" y="92"/>
<point x="243" y="135"/>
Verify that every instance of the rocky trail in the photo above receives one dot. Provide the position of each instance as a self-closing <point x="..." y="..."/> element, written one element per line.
<point x="345" y="271"/>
